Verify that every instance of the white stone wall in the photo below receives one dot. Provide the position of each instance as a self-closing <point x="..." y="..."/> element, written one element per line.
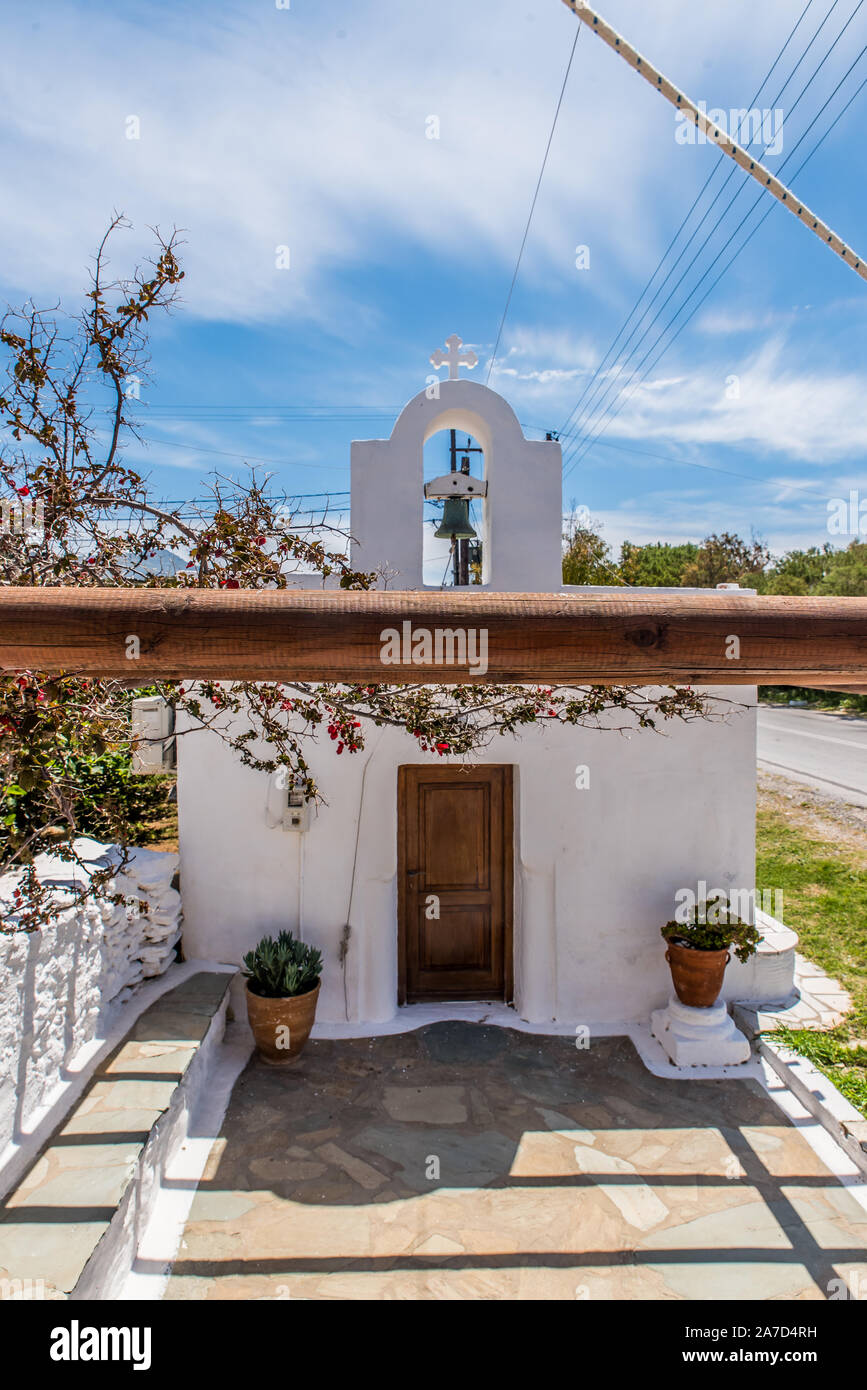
<point x="60" y="985"/>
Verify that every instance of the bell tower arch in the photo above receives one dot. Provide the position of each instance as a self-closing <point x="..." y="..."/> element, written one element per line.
<point x="522" y="525"/>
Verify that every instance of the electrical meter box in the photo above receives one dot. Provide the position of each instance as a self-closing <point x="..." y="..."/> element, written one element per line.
<point x="296" y="814"/>
<point x="153" y="740"/>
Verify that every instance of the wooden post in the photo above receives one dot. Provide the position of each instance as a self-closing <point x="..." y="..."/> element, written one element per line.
<point x="615" y="637"/>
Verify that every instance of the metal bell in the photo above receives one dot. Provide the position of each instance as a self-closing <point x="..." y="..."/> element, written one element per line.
<point x="455" y="524"/>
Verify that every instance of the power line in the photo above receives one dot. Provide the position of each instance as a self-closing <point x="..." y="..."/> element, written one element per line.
<point x="564" y="431"/>
<point x="580" y="448"/>
<point x="228" y="453"/>
<point x="196" y="413"/>
<point x="710" y="467"/>
<point x="716" y="130"/>
<point x="533" y="206"/>
<point x="621" y="402"/>
<point x="291" y="496"/>
<point x="284" y="405"/>
<point x="606" y="390"/>
<point x="598" y="400"/>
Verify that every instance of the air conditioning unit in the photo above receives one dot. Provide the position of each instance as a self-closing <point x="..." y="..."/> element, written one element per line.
<point x="153" y="735"/>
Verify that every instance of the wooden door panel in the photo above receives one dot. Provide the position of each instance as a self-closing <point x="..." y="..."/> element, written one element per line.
<point x="454" y="882"/>
<point x="456" y="831"/>
<point x="461" y="940"/>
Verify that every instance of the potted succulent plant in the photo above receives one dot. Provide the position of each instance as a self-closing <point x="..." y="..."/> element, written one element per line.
<point x="282" y="993"/>
<point x="698" y="953"/>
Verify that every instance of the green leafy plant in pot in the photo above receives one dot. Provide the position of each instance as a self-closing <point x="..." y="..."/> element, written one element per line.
<point x="699" y="951"/>
<point x="282" y="994"/>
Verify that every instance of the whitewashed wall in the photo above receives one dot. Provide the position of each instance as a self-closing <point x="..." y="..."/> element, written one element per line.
<point x="60" y="985"/>
<point x="522" y="514"/>
<point x="595" y="870"/>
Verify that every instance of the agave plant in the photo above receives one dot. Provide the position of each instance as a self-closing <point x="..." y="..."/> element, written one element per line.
<point x="283" y="968"/>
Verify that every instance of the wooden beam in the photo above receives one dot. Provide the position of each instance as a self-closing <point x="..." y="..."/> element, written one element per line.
<point x="835" y="687"/>
<point x="578" y="638"/>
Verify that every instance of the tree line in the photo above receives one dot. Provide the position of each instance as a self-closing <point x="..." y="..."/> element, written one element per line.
<point x="723" y="558"/>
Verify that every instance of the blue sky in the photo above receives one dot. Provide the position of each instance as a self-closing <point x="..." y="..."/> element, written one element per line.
<point x="308" y="127"/>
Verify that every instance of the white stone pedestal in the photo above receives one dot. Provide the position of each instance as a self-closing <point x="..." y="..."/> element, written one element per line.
<point x="699" y="1037"/>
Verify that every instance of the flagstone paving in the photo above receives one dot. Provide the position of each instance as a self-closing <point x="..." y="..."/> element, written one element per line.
<point x="464" y="1161"/>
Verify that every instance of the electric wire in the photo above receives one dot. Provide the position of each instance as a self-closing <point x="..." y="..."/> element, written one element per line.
<point x="533" y="206"/>
<point x="598" y="402"/>
<point x="565" y="430"/>
<point x="577" y="457"/>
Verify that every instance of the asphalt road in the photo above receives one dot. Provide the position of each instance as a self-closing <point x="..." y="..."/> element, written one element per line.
<point x="825" y="751"/>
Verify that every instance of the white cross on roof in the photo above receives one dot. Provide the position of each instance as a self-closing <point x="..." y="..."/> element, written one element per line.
<point x="454" y="357"/>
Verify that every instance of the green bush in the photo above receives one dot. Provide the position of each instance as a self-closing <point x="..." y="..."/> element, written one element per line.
<point x="714" y="936"/>
<point x="283" y="968"/>
<point x="820" y="699"/>
<point x="103" y="791"/>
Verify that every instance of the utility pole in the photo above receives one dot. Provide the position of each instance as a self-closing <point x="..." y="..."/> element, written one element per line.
<point x="456" y="550"/>
<point x="716" y="136"/>
<point x="461" y="552"/>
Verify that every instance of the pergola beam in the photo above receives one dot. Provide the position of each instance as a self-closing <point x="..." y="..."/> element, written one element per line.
<point x="835" y="686"/>
<point x="616" y="637"/>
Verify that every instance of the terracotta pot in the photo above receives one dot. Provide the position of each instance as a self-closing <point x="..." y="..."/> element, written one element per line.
<point x="697" y="975"/>
<point x="270" y="1018"/>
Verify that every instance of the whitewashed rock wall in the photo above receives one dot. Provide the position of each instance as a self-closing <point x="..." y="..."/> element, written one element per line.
<point x="60" y="985"/>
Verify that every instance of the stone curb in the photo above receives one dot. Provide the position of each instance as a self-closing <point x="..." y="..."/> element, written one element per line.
<point x="115" y="1252"/>
<point x="18" y="1156"/>
<point x="846" y="1125"/>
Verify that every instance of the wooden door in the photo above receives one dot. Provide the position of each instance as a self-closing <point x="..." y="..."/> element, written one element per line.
<point x="454" y="883"/>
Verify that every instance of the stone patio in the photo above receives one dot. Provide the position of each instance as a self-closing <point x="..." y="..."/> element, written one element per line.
<point x="468" y="1161"/>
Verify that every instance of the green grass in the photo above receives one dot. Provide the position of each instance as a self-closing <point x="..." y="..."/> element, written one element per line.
<point x="825" y="901"/>
<point x="830" y="1054"/>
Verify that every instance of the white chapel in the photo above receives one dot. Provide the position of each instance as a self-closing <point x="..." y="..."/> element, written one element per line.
<point x="554" y="857"/>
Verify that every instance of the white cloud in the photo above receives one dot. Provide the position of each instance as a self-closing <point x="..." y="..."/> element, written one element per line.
<point x="758" y="403"/>
<point x="262" y="128"/>
<point x="729" y="321"/>
<point x="768" y="402"/>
